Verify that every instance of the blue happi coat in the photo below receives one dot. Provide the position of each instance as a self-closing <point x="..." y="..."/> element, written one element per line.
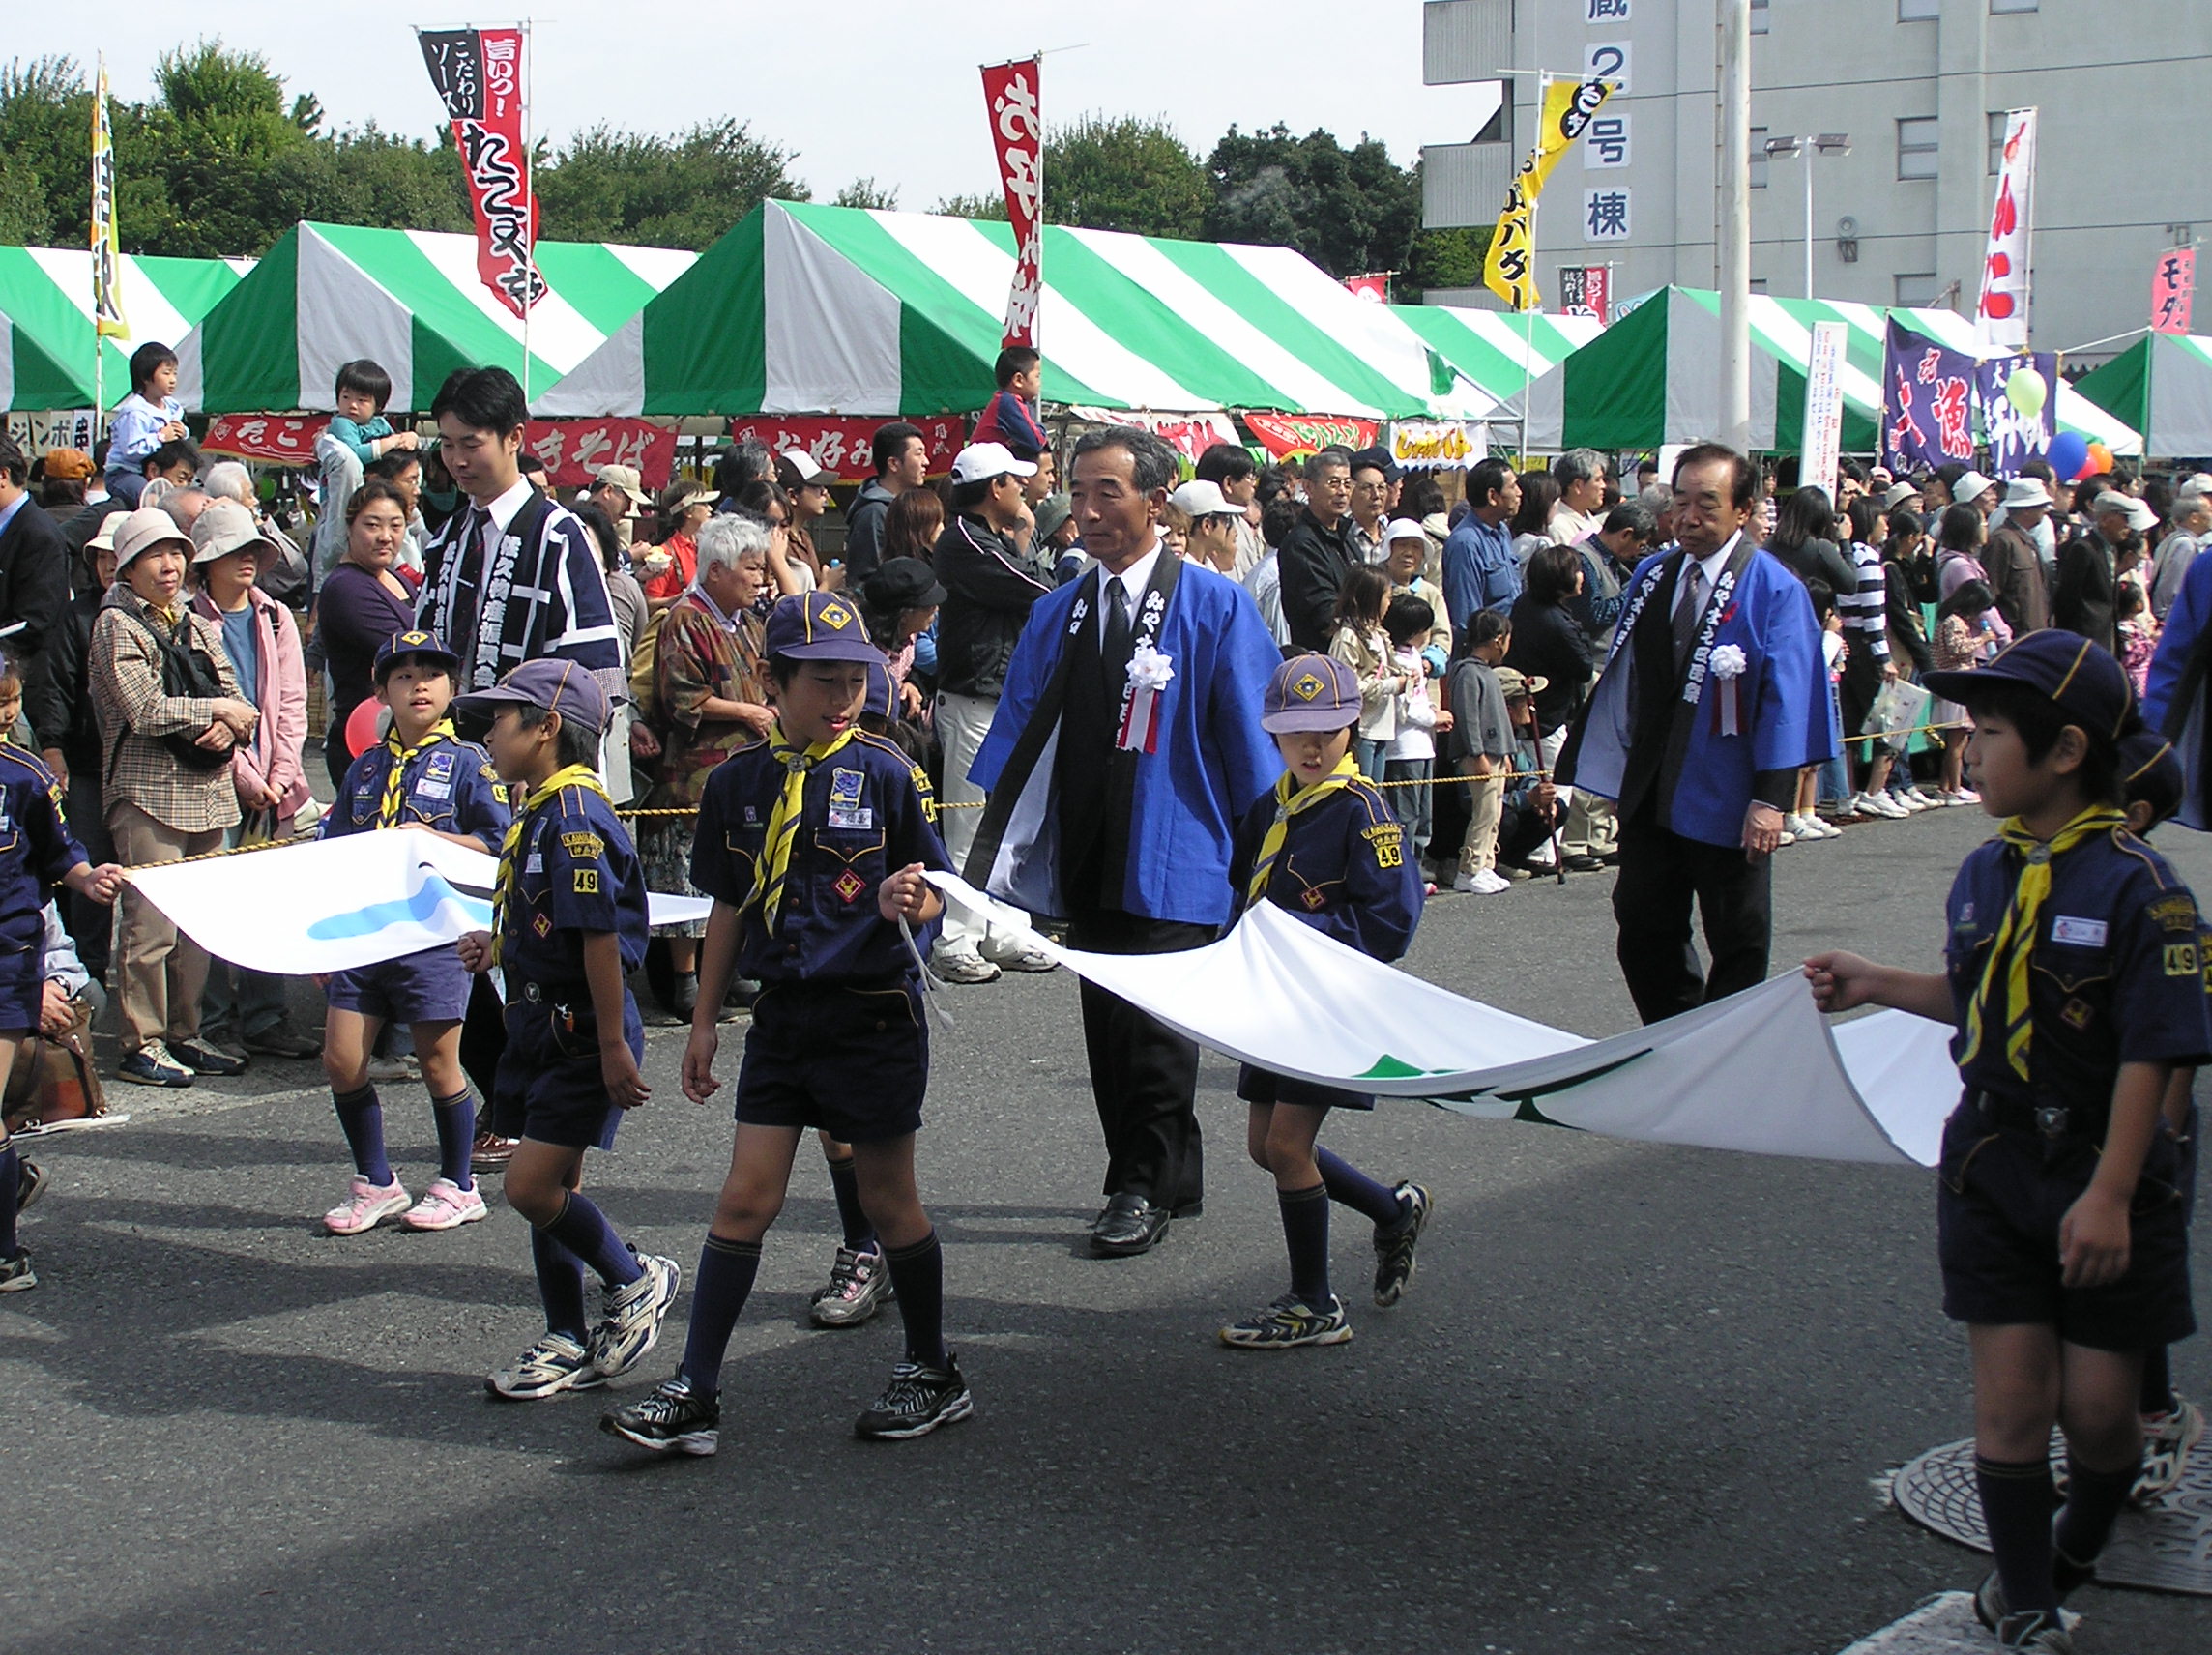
<point x="1211" y="762"/>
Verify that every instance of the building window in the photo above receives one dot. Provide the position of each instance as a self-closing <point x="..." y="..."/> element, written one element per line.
<point x="1759" y="157"/>
<point x="1762" y="9"/>
<point x="1918" y="11"/>
<point x="1916" y="146"/>
<point x="1999" y="7"/>
<point x="1916" y="291"/>
<point x="1997" y="119"/>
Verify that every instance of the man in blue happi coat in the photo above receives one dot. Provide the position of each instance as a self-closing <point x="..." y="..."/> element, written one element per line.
<point x="1123" y="754"/>
<point x="1713" y="697"/>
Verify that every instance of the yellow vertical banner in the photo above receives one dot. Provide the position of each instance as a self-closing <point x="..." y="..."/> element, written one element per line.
<point x="106" y="290"/>
<point x="1510" y="269"/>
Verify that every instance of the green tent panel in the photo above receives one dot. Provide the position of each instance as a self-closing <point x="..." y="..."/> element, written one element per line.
<point x="47" y="350"/>
<point x="2161" y="384"/>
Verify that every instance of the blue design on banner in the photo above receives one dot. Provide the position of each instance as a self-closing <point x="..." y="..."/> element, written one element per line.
<point x="419" y="909"/>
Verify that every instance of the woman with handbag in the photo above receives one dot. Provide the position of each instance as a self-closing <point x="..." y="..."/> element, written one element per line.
<point x="170" y="715"/>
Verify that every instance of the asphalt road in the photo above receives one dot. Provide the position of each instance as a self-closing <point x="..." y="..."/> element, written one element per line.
<point x="1637" y="1400"/>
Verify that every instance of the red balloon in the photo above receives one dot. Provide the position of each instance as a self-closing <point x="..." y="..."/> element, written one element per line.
<point x="361" y="733"/>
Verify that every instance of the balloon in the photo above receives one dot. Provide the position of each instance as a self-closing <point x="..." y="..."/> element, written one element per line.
<point x="2068" y="454"/>
<point x="2027" y="391"/>
<point x="2100" y="459"/>
<point x="361" y="732"/>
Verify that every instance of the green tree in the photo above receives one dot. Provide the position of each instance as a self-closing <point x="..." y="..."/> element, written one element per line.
<point x="1443" y="258"/>
<point x="1349" y="210"/>
<point x="46" y="126"/>
<point x="976" y="207"/>
<point x="1125" y="172"/>
<point x="685" y="191"/>
<point x="863" y="193"/>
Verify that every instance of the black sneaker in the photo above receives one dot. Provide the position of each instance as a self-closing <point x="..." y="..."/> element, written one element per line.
<point x="1288" y="1322"/>
<point x="672" y="1419"/>
<point x="1394" y="1246"/>
<point x="917" y="1401"/>
<point x="30" y="1185"/>
<point x="205" y="1059"/>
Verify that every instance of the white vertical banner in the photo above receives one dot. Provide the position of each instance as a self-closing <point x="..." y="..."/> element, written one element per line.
<point x="2000" y="312"/>
<point x="1823" y="407"/>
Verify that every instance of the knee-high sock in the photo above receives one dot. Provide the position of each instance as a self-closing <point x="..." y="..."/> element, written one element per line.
<point x="718" y="1294"/>
<point x="917" y="1277"/>
<point x="10" y="1187"/>
<point x="583" y="1229"/>
<point x="1305" y="1232"/>
<point x="2093" y="1500"/>
<point x="1349" y="1186"/>
<point x="845" y="1183"/>
<point x="2157" y="1383"/>
<point x="362" y="1118"/>
<point x="560" y="1285"/>
<point x="456" y="1119"/>
<point x="2017" y="1498"/>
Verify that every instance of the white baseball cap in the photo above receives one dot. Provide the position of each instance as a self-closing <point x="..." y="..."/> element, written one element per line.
<point x="1199" y="498"/>
<point x="807" y="468"/>
<point x="979" y="462"/>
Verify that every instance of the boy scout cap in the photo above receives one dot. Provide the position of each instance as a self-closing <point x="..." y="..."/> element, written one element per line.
<point x="558" y="686"/>
<point x="819" y="627"/>
<point x="2150" y="773"/>
<point x="882" y="697"/>
<point x="427" y="645"/>
<point x="1310" y="693"/>
<point x="2088" y="685"/>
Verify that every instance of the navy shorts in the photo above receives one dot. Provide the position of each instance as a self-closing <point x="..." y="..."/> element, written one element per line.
<point x="430" y="987"/>
<point x="853" y="1063"/>
<point x="2001" y="1196"/>
<point x="549" y="1086"/>
<point x="1265" y="1086"/>
<point x="22" y="991"/>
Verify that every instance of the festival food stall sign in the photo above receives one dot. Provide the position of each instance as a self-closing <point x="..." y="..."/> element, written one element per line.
<point x="1188" y="434"/>
<point x="840" y="446"/>
<point x="1294" y="436"/>
<point x="1429" y="444"/>
<point x="571" y="450"/>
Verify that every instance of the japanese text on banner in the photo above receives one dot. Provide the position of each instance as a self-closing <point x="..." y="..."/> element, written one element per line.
<point x="1510" y="269"/>
<point x="1017" y="140"/>
<point x="840" y="446"/>
<point x="1926" y="402"/>
<point x="2000" y="313"/>
<point x="106" y="298"/>
<point x="2172" y="290"/>
<point x="478" y="76"/>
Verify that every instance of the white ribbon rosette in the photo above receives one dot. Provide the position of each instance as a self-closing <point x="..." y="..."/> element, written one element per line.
<point x="1727" y="664"/>
<point x="1150" y="673"/>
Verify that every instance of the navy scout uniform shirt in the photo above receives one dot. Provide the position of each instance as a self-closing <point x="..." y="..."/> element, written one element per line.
<point x="35" y="851"/>
<point x="450" y="786"/>
<point x="1343" y="869"/>
<point x="868" y="812"/>
<point x="579" y="873"/>
<point x="2117" y="976"/>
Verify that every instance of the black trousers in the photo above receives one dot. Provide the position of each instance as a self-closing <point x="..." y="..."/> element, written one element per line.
<point x="1661" y="874"/>
<point x="1143" y="1075"/>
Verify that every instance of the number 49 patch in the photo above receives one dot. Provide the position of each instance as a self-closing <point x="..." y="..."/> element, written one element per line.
<point x="2181" y="959"/>
<point x="587" y="882"/>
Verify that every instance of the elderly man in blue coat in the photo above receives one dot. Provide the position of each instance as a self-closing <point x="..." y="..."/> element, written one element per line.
<point x="1713" y="696"/>
<point x="1125" y="750"/>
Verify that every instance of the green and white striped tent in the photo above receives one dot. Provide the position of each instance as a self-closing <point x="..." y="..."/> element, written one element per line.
<point x="1654" y="377"/>
<point x="2162" y="384"/>
<point x="411" y="300"/>
<point x="1500" y="351"/>
<point x="46" y="320"/>
<point x="809" y="309"/>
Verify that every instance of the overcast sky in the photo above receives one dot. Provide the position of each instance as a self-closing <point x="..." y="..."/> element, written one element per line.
<point x="860" y="88"/>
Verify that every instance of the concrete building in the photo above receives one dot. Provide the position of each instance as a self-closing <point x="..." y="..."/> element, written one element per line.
<point x="1920" y="88"/>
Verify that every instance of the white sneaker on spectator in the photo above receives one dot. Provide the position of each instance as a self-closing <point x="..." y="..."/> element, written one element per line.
<point x="1928" y="801"/>
<point x="1822" y="829"/>
<point x="1885" y="805"/>
<point x="1904" y="799"/>
<point x="1786" y="836"/>
<point x="1018" y="957"/>
<point x="1488" y="884"/>
<point x="962" y="966"/>
<point x="1966" y="795"/>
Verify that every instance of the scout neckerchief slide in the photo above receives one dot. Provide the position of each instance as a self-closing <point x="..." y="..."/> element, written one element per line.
<point x="783" y="821"/>
<point x="510" y="847"/>
<point x="403" y="755"/>
<point x="2014" y="942"/>
<point x="1290" y="804"/>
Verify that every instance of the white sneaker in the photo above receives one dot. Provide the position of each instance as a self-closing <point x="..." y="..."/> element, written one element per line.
<point x="1021" y="957"/>
<point x="1887" y="805"/>
<point x="1786" y="836"/>
<point x="1823" y="829"/>
<point x="1907" y="802"/>
<point x="1799" y="827"/>
<point x="1464" y="882"/>
<point x="962" y="966"/>
<point x="1966" y="795"/>
<point x="1926" y="800"/>
<point x="1488" y="884"/>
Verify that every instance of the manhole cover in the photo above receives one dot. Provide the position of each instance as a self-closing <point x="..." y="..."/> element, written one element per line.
<point x="2166" y="1546"/>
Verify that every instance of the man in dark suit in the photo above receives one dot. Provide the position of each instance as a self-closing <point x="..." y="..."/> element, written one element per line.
<point x="1313" y="558"/>
<point x="34" y="574"/>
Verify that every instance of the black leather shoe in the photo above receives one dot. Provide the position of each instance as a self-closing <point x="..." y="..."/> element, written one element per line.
<point x="1584" y="864"/>
<point x="1131" y="1225"/>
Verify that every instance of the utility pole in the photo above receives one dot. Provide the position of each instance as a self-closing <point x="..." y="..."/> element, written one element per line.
<point x="1734" y="229"/>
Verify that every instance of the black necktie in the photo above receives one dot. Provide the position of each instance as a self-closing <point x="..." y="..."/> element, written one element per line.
<point x="1688" y="611"/>
<point x="1116" y="649"/>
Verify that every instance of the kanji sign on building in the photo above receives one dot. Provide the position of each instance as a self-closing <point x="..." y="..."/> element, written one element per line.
<point x="1017" y="139"/>
<point x="1605" y="214"/>
<point x="2172" y="290"/>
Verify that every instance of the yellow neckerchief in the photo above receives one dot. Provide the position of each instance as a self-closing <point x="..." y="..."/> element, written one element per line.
<point x="2014" y="942"/>
<point x="403" y="755"/>
<point x="783" y="820"/>
<point x="1292" y="800"/>
<point x="510" y="847"/>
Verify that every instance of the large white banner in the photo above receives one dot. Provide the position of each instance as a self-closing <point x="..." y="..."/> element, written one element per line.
<point x="331" y="904"/>
<point x="1823" y="407"/>
<point x="2000" y="315"/>
<point x="1761" y="1072"/>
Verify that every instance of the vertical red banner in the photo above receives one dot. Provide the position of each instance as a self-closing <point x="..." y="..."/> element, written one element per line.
<point x="478" y="76"/>
<point x="1017" y="140"/>
<point x="2172" y="290"/>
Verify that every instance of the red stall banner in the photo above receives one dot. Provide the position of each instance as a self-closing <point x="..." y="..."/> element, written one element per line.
<point x="1373" y="287"/>
<point x="2172" y="290"/>
<point x="1017" y="140"/>
<point x="1585" y="290"/>
<point x="840" y="446"/>
<point x="571" y="450"/>
<point x="1188" y="434"/>
<point x="478" y="76"/>
<point x="1294" y="436"/>
<point x="267" y="439"/>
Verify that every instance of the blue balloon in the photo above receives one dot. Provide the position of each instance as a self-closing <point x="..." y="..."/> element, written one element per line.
<point x="2069" y="453"/>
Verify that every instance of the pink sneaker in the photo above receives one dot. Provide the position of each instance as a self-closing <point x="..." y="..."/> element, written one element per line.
<point x="445" y="1206"/>
<point x="365" y="1207"/>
